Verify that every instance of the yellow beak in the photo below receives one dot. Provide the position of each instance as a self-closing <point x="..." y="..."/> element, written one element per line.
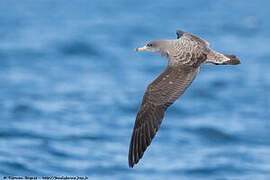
<point x="141" y="49"/>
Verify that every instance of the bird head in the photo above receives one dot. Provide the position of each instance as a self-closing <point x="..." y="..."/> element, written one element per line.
<point x="157" y="46"/>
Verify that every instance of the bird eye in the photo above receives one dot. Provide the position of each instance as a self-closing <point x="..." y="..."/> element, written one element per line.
<point x="149" y="45"/>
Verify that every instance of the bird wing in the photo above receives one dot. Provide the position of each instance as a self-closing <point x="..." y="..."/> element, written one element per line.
<point x="160" y="94"/>
<point x="182" y="34"/>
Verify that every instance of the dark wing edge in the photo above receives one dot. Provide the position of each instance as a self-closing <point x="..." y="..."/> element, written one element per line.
<point x="179" y="33"/>
<point x="147" y="124"/>
<point x="154" y="106"/>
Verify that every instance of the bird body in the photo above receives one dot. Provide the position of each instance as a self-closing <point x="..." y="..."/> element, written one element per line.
<point x="185" y="55"/>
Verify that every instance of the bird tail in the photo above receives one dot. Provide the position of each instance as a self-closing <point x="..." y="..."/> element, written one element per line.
<point x="217" y="58"/>
<point x="233" y="59"/>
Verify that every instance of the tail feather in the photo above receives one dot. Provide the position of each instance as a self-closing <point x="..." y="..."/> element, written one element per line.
<point x="233" y="59"/>
<point x="217" y="58"/>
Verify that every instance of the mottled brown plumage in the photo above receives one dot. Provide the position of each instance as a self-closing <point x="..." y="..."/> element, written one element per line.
<point x="185" y="55"/>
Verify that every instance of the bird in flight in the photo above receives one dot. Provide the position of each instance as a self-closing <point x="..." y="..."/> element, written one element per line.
<point x="185" y="56"/>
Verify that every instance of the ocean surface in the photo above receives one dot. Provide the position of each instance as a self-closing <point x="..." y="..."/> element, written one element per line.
<point x="71" y="85"/>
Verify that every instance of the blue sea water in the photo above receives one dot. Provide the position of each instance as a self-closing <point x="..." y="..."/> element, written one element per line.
<point x="71" y="85"/>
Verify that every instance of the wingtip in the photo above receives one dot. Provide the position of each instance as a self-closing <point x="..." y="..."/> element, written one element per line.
<point x="130" y="161"/>
<point x="131" y="165"/>
<point x="179" y="33"/>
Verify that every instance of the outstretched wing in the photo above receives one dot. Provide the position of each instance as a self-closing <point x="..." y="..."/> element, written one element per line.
<point x="182" y="34"/>
<point x="160" y="94"/>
